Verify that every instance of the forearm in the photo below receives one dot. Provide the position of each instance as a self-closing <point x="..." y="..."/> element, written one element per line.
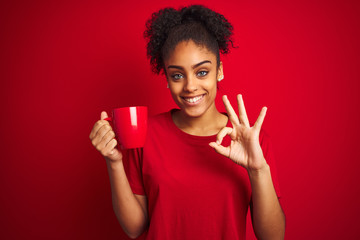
<point x="267" y="215"/>
<point x="128" y="210"/>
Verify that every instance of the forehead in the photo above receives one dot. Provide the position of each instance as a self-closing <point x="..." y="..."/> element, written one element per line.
<point x="189" y="53"/>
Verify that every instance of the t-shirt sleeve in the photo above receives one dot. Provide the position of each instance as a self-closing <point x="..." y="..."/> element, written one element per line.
<point x="268" y="152"/>
<point x="133" y="168"/>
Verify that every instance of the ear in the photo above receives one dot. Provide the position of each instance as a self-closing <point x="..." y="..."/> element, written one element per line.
<point x="220" y="72"/>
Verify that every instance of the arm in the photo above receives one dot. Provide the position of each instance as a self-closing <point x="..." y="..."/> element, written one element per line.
<point x="245" y="150"/>
<point x="130" y="209"/>
<point x="266" y="213"/>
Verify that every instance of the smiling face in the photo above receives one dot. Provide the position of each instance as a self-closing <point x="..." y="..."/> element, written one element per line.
<point x="192" y="73"/>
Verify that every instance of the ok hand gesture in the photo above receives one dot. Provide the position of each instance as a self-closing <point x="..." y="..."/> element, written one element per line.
<point x="245" y="148"/>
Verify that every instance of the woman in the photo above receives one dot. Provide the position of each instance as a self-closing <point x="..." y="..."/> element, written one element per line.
<point x="177" y="187"/>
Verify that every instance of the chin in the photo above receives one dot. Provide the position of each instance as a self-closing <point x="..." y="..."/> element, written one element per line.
<point x="193" y="112"/>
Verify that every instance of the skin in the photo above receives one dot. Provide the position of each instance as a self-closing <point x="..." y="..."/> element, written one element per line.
<point x="267" y="215"/>
<point x="130" y="209"/>
<point x="191" y="71"/>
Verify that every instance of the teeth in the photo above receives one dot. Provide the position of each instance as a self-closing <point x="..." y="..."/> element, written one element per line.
<point x="193" y="100"/>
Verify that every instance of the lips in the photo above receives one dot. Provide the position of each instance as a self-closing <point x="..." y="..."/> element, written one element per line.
<point x="193" y="99"/>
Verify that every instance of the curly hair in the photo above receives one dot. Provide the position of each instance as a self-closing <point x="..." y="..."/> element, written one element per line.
<point x="168" y="27"/>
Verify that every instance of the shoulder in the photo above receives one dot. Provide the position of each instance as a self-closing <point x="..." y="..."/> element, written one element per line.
<point x="160" y="126"/>
<point x="160" y="119"/>
<point x="164" y="116"/>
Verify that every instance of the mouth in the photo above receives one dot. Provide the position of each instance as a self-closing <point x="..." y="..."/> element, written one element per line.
<point x="194" y="99"/>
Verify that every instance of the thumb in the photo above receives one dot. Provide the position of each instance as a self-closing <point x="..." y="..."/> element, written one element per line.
<point x="225" y="151"/>
<point x="103" y="115"/>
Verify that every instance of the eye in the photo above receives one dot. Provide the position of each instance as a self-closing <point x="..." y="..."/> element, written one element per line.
<point x="202" y="73"/>
<point x="177" y="76"/>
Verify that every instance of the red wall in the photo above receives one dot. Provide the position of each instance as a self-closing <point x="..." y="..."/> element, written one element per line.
<point x="62" y="62"/>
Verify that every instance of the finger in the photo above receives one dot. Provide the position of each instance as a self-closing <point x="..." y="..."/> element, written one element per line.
<point x="223" y="132"/>
<point x="101" y="133"/>
<point x="110" y="147"/>
<point x="103" y="115"/>
<point x="97" y="126"/>
<point x="106" y="139"/>
<point x="230" y="111"/>
<point x="260" y="119"/>
<point x="242" y="111"/>
<point x="225" y="151"/>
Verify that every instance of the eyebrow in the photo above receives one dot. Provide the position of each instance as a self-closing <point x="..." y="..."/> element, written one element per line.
<point x="194" y="66"/>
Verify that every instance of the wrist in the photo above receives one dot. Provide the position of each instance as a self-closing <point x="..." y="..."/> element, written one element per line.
<point x="113" y="164"/>
<point x="264" y="169"/>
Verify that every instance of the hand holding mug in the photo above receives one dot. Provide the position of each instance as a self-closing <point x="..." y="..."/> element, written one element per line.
<point x="102" y="137"/>
<point x="130" y="127"/>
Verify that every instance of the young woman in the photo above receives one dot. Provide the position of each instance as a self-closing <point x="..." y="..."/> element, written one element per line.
<point x="177" y="186"/>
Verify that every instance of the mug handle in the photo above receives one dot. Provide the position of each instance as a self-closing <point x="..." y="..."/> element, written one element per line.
<point x="110" y="120"/>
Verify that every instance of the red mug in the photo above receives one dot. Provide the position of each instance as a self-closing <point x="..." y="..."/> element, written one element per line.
<point x="130" y="126"/>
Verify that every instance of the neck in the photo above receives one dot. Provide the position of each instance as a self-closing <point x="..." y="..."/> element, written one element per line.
<point x="207" y="124"/>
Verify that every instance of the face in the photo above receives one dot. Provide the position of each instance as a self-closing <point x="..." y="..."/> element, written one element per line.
<point x="192" y="74"/>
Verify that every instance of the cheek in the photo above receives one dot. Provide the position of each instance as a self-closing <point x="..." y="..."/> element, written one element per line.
<point x="211" y="86"/>
<point x="175" y="92"/>
<point x="212" y="81"/>
<point x="175" y="89"/>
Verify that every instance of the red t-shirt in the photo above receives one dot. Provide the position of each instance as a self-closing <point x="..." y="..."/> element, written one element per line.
<point x="192" y="191"/>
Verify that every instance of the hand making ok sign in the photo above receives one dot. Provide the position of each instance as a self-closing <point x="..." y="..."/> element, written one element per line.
<point x="245" y="148"/>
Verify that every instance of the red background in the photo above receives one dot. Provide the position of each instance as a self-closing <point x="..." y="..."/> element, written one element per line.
<point x="62" y="62"/>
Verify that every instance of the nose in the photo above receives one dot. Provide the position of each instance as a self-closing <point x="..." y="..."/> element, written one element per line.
<point x="190" y="85"/>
